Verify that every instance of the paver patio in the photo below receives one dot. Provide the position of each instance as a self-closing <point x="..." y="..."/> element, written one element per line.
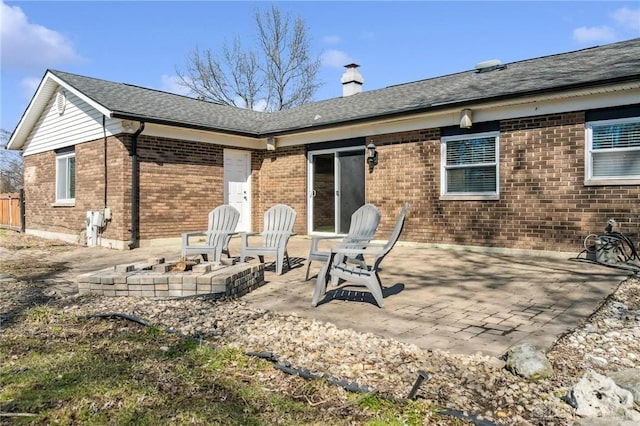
<point x="455" y="300"/>
<point x="446" y="299"/>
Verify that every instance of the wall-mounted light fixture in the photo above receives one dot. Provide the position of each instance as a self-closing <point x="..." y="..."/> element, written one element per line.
<point x="271" y="144"/>
<point x="466" y="119"/>
<point x="372" y="156"/>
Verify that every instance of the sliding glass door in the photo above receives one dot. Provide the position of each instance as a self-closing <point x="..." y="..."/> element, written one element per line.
<point x="336" y="188"/>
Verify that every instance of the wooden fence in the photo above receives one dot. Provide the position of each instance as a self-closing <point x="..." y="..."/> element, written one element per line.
<point x="12" y="211"/>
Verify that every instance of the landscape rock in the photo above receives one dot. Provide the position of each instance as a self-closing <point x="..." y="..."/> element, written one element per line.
<point x="599" y="421"/>
<point x="527" y="361"/>
<point x="628" y="379"/>
<point x="598" y="396"/>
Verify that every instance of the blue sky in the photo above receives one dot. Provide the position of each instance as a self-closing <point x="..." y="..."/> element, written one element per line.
<point x="142" y="42"/>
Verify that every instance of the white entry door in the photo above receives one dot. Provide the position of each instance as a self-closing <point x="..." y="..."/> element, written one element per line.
<point x="237" y="185"/>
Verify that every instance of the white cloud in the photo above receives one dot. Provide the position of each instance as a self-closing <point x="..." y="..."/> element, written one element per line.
<point x="626" y="22"/>
<point x="260" y="105"/>
<point x="335" y="58"/>
<point x="331" y="39"/>
<point x="594" y="34"/>
<point x="171" y="84"/>
<point x="628" y="19"/>
<point x="31" y="46"/>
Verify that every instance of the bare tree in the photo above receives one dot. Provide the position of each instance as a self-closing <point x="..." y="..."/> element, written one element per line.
<point x="278" y="74"/>
<point x="11" y="166"/>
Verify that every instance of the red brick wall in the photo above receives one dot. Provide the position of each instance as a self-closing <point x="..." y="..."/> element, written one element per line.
<point x="39" y="195"/>
<point x="180" y="182"/>
<point x="408" y="170"/>
<point x="543" y="203"/>
<point x="42" y="213"/>
<point x="280" y="177"/>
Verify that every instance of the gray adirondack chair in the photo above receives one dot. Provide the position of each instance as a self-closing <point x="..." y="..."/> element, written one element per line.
<point x="278" y="227"/>
<point x="363" y="226"/>
<point x="222" y="225"/>
<point x="354" y="272"/>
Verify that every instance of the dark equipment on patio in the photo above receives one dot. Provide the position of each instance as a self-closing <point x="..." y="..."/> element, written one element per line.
<point x="612" y="249"/>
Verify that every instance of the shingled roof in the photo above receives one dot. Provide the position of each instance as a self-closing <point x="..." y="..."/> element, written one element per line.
<point x="139" y="103"/>
<point x="592" y="67"/>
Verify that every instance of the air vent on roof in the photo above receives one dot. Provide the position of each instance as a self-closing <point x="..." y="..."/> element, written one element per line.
<point x="490" y="65"/>
<point x="61" y="101"/>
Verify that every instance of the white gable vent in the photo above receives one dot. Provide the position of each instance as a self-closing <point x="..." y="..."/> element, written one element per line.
<point x="490" y="65"/>
<point x="61" y="101"/>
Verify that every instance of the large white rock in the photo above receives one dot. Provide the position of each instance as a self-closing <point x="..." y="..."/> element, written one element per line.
<point x="628" y="379"/>
<point x="598" y="396"/>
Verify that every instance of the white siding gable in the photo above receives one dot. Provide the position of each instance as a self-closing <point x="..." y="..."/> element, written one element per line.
<point x="79" y="123"/>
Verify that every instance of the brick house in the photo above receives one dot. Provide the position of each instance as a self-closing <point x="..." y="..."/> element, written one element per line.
<point x="531" y="155"/>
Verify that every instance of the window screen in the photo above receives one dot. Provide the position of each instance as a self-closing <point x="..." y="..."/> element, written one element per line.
<point x="470" y="164"/>
<point x="614" y="149"/>
<point x="65" y="177"/>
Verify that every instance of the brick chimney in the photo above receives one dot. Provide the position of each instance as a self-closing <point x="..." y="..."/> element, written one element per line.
<point x="351" y="80"/>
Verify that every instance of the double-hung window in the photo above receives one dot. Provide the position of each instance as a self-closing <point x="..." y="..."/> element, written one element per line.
<point x="65" y="176"/>
<point x="613" y="152"/>
<point x="470" y="167"/>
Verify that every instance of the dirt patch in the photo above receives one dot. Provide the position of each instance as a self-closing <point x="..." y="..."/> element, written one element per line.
<point x="13" y="241"/>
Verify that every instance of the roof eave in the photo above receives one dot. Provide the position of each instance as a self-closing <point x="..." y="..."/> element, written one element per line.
<point x="155" y="120"/>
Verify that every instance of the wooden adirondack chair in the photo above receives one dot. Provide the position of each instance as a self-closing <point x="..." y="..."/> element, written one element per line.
<point x="278" y="227"/>
<point x="222" y="225"/>
<point x="356" y="273"/>
<point x="363" y="226"/>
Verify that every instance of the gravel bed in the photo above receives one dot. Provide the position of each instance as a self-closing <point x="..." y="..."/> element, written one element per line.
<point x="478" y="384"/>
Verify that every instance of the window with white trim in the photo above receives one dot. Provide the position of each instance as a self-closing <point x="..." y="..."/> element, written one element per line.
<point x="613" y="151"/>
<point x="66" y="177"/>
<point x="470" y="166"/>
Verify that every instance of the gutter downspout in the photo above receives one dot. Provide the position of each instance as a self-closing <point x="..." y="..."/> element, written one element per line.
<point x="104" y="169"/>
<point x="135" y="190"/>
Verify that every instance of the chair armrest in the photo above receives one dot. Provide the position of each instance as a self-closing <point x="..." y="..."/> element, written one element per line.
<point x="359" y="240"/>
<point x="327" y="237"/>
<point x="245" y="236"/>
<point x="228" y="234"/>
<point x="316" y="239"/>
<point x="357" y="249"/>
<point x="186" y="235"/>
<point x="192" y="234"/>
<point x="355" y="245"/>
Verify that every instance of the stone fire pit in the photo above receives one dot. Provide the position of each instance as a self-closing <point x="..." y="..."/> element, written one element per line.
<point x="157" y="278"/>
